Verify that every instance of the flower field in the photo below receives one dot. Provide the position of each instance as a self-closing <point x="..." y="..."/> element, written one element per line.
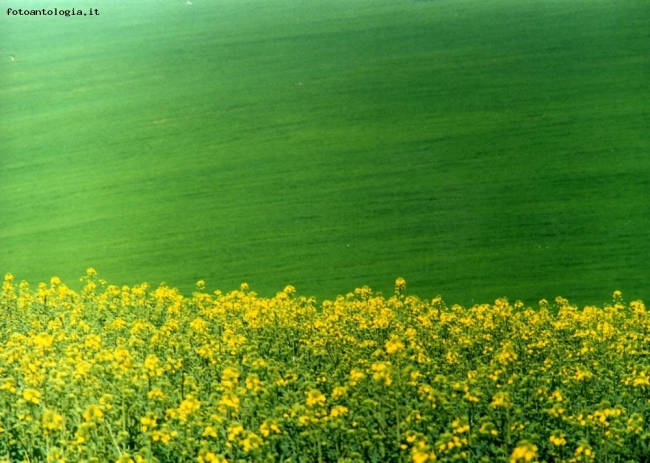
<point x="137" y="374"/>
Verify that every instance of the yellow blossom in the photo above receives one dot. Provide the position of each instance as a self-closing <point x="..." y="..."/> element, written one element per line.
<point x="230" y="400"/>
<point x="229" y="377"/>
<point x="52" y="421"/>
<point x="338" y="391"/>
<point x="393" y="345"/>
<point x="315" y="397"/>
<point x="524" y="452"/>
<point x="421" y="453"/>
<point x="501" y="399"/>
<point x="147" y="422"/>
<point x="187" y="407"/>
<point x="43" y="340"/>
<point x="253" y="383"/>
<point x="356" y="376"/>
<point x="209" y="431"/>
<point x="269" y="426"/>
<point x="557" y="438"/>
<point x="156" y="394"/>
<point x="382" y="372"/>
<point x="400" y="285"/>
<point x="32" y="395"/>
<point x="93" y="413"/>
<point x="337" y="411"/>
<point x="234" y="431"/>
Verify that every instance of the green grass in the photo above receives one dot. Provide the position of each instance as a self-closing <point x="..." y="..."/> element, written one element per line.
<point x="478" y="149"/>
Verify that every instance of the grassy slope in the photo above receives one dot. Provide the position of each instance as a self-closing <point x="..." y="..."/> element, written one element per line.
<point x="478" y="149"/>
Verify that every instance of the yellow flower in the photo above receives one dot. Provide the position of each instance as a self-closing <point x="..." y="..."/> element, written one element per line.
<point x="32" y="395"/>
<point x="339" y="391"/>
<point x="501" y="399"/>
<point x="199" y="325"/>
<point x="250" y="442"/>
<point x="156" y="394"/>
<point x="584" y="448"/>
<point x="43" y="340"/>
<point x="106" y="401"/>
<point x="641" y="381"/>
<point x="382" y="372"/>
<point x="315" y="397"/>
<point x="230" y="400"/>
<point x="93" y="413"/>
<point x="234" y="431"/>
<point x="268" y="426"/>
<point x="210" y="457"/>
<point x="253" y="383"/>
<point x="507" y="354"/>
<point x="524" y="452"/>
<point x="152" y="364"/>
<point x="635" y="423"/>
<point x="400" y="285"/>
<point x="52" y="421"/>
<point x="460" y="426"/>
<point x="8" y="386"/>
<point x="93" y="341"/>
<point x="557" y="438"/>
<point x="421" y="453"/>
<point x="229" y="377"/>
<point x="337" y="411"/>
<point x="163" y="437"/>
<point x="393" y="345"/>
<point x="356" y="376"/>
<point x="209" y="431"/>
<point x="187" y="407"/>
<point x="147" y="422"/>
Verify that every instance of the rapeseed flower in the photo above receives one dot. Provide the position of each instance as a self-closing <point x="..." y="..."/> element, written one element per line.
<point x="265" y="374"/>
<point x="356" y="376"/>
<point x="148" y="422"/>
<point x="93" y="413"/>
<point x="269" y="427"/>
<point x="315" y="398"/>
<point x="43" y="340"/>
<point x="234" y="431"/>
<point x="187" y="407"/>
<point x="52" y="421"/>
<point x="400" y="286"/>
<point x="501" y="399"/>
<point x="32" y="396"/>
<point x="393" y="345"/>
<point x="382" y="372"/>
<point x="524" y="452"/>
<point x="230" y="400"/>
<point x="338" y="410"/>
<point x="421" y="453"/>
<point x="557" y="438"/>
<point x="155" y="394"/>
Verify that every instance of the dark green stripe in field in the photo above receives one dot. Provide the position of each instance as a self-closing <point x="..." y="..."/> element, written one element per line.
<point x="478" y="149"/>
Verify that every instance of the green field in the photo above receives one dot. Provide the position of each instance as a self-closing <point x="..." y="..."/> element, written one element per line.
<point x="478" y="149"/>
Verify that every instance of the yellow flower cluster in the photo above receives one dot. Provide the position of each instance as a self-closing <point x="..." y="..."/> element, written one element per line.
<point x="136" y="374"/>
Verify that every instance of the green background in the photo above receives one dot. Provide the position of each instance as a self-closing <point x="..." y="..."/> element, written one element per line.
<point x="477" y="149"/>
